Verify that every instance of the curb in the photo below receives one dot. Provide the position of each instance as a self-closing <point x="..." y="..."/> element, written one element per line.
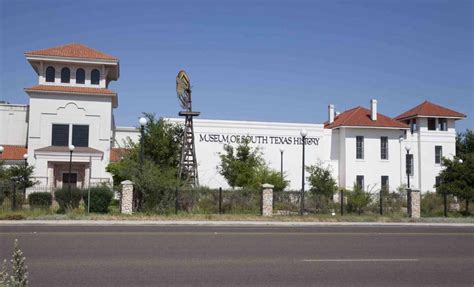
<point x="223" y="223"/>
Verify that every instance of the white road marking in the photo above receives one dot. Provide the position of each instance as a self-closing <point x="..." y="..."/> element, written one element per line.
<point x="363" y="260"/>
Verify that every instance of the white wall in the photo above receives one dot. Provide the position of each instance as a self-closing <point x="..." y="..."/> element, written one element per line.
<point x="426" y="142"/>
<point x="72" y="67"/>
<point x="13" y="124"/>
<point x="208" y="136"/>
<point x="49" y="109"/>
<point x="372" y="167"/>
<point x="123" y="134"/>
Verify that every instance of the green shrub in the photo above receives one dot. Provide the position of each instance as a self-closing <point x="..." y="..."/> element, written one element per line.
<point x="40" y="200"/>
<point x="68" y="200"/>
<point x="101" y="198"/>
<point x="357" y="200"/>
<point x="432" y="204"/>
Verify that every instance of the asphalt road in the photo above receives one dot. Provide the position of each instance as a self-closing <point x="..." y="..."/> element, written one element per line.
<point x="244" y="256"/>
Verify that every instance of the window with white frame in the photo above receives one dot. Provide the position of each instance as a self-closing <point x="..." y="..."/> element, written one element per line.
<point x="359" y="147"/>
<point x="383" y="147"/>
<point x="438" y="154"/>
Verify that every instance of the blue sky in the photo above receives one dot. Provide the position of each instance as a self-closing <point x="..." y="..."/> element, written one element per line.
<point x="257" y="60"/>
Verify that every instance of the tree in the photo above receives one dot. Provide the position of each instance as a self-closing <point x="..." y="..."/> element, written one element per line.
<point x="457" y="178"/>
<point x="464" y="143"/>
<point x="154" y="181"/>
<point x="321" y="180"/>
<point x="3" y="170"/>
<point x="273" y="177"/>
<point x="239" y="166"/>
<point x="21" y="175"/>
<point x="243" y="166"/>
<point x="357" y="199"/>
<point x="322" y="184"/>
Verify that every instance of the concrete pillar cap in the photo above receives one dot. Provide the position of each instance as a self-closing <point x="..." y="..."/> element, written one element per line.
<point x="267" y="185"/>
<point x="126" y="182"/>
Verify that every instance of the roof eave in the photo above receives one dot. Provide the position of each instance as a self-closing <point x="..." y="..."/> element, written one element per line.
<point x="27" y="90"/>
<point x="369" y="127"/>
<point x="430" y="116"/>
<point x="96" y="61"/>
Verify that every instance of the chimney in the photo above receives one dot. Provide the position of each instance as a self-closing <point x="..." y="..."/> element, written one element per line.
<point x="373" y="109"/>
<point x="331" y="114"/>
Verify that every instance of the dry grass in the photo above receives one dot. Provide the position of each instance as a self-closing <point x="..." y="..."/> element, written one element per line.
<point x="114" y="215"/>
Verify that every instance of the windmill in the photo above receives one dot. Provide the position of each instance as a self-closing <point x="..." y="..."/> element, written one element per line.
<point x="188" y="164"/>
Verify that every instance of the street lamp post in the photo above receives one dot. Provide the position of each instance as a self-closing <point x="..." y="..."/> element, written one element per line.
<point x="408" y="171"/>
<point x="408" y="166"/>
<point x="142" y="121"/>
<point x="25" y="157"/>
<point x="303" y="135"/>
<point x="281" y="163"/>
<point x="71" y="149"/>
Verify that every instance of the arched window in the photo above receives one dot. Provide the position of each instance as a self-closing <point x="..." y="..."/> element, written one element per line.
<point x="95" y="77"/>
<point x="80" y="76"/>
<point x="50" y="74"/>
<point x="65" y="75"/>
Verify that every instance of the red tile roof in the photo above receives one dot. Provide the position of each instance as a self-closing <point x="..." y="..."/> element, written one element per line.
<point x="360" y="117"/>
<point x="70" y="89"/>
<point x="13" y="152"/>
<point x="429" y="109"/>
<point x="116" y="154"/>
<point x="73" y="50"/>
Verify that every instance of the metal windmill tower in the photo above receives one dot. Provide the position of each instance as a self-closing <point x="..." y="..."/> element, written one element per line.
<point x="188" y="171"/>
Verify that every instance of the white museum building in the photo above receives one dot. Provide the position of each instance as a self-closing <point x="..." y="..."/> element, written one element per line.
<point x="71" y="104"/>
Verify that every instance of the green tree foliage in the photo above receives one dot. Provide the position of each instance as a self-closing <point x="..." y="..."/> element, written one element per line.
<point x="155" y="181"/>
<point x="457" y="176"/>
<point x="321" y="180"/>
<point x="243" y="166"/>
<point x="266" y="175"/>
<point x="3" y="171"/>
<point x="239" y="165"/>
<point x="464" y="144"/>
<point x="357" y="199"/>
<point x="322" y="186"/>
<point x="21" y="175"/>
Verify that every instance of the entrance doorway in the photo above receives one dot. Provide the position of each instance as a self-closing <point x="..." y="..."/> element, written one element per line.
<point x="73" y="179"/>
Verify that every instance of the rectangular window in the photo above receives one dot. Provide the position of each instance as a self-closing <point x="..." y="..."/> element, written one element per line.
<point x="384" y="147"/>
<point x="437" y="181"/>
<point x="413" y="126"/>
<point x="438" y="153"/>
<point x="60" y="135"/>
<point x="409" y="164"/>
<point x="80" y="135"/>
<point x="431" y="124"/>
<point x="442" y="124"/>
<point x="360" y="147"/>
<point x="384" y="182"/>
<point x="360" y="181"/>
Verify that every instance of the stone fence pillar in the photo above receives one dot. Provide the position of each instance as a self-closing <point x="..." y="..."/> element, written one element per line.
<point x="414" y="203"/>
<point x="267" y="199"/>
<point x="126" y="199"/>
